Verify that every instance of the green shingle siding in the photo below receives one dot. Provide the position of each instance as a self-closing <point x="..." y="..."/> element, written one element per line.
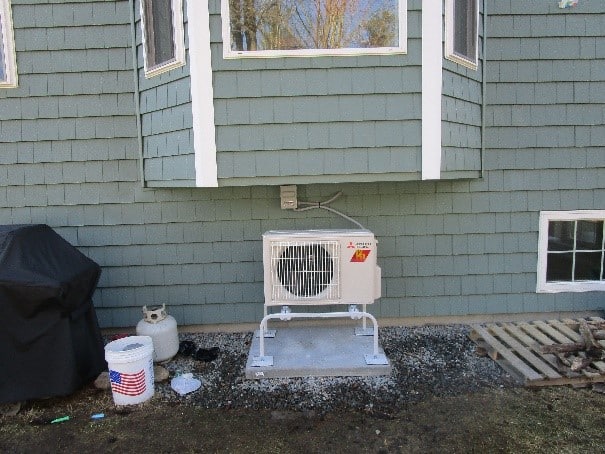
<point x="324" y="116"/>
<point x="445" y="248"/>
<point x="461" y="112"/>
<point x="166" y="122"/>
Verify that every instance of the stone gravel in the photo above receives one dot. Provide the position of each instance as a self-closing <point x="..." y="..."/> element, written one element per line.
<point x="427" y="361"/>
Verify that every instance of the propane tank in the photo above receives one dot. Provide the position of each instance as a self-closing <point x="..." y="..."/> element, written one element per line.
<point x="161" y="327"/>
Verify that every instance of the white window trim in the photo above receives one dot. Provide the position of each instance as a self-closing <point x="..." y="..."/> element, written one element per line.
<point x="557" y="287"/>
<point x="8" y="44"/>
<point x="178" y="38"/>
<point x="230" y="54"/>
<point x="450" y="54"/>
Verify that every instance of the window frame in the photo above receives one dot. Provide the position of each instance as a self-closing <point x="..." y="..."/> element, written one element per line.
<point x="9" y="60"/>
<point x="563" y="286"/>
<point x="450" y="30"/>
<point x="178" y="40"/>
<point x="228" y="53"/>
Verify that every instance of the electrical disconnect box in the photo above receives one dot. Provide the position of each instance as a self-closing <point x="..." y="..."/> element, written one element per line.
<point x="288" y="197"/>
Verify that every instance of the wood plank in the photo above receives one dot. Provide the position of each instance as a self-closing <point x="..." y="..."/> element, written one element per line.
<point x="527" y="355"/>
<point x="536" y="334"/>
<point x="474" y="335"/>
<point x="574" y="381"/>
<point x="593" y="322"/>
<point x="573" y="347"/>
<point x="516" y="347"/>
<point x="565" y="330"/>
<point x="599" y="365"/>
<point x="514" y="331"/>
<point x="512" y="371"/>
<point x="555" y="334"/>
<point x="531" y="343"/>
<point x="525" y="370"/>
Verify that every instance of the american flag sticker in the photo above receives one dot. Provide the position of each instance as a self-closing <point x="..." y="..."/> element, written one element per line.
<point x="127" y="384"/>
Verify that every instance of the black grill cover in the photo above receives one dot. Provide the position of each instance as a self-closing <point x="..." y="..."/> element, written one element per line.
<point x="50" y="342"/>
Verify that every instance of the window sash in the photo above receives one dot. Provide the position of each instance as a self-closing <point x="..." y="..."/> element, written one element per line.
<point x="163" y="35"/>
<point x="2" y="52"/>
<point x="465" y="28"/>
<point x="235" y="37"/>
<point x="571" y="251"/>
<point x="8" y="63"/>
<point x="462" y="32"/>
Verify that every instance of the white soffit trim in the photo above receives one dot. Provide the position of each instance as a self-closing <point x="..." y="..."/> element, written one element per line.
<point x="432" y="76"/>
<point x="202" y="96"/>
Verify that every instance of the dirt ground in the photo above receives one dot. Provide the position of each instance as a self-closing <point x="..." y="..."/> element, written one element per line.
<point x="556" y="419"/>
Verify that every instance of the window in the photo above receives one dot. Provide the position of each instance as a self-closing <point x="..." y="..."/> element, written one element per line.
<point x="277" y="28"/>
<point x="8" y="65"/>
<point x="571" y="251"/>
<point x="462" y="37"/>
<point x="163" y="36"/>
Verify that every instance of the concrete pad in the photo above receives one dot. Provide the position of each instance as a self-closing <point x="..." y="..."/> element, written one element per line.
<point x="315" y="351"/>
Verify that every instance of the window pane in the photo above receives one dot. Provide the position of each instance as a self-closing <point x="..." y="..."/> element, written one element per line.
<point x="258" y="25"/>
<point x="159" y="32"/>
<point x="589" y="235"/>
<point x="559" y="267"/>
<point x="588" y="266"/>
<point x="561" y="235"/>
<point x="465" y="28"/>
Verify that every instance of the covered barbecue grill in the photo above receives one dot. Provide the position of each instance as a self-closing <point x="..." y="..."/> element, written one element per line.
<point x="50" y="342"/>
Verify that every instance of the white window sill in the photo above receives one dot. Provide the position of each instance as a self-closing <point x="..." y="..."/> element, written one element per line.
<point x="576" y="287"/>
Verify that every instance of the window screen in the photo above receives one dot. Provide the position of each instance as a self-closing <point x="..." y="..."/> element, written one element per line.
<point x="162" y="22"/>
<point x="465" y="28"/>
<point x="462" y="34"/>
<point x="159" y="31"/>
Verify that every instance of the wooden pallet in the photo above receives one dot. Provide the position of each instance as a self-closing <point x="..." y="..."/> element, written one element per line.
<point x="516" y="348"/>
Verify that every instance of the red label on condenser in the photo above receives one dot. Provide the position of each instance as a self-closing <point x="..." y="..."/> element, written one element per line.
<point x="360" y="255"/>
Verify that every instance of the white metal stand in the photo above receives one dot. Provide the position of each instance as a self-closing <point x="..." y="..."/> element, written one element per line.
<point x="376" y="358"/>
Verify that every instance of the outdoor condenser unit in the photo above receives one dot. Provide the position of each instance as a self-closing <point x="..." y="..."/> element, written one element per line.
<point x="311" y="267"/>
<point x="320" y="267"/>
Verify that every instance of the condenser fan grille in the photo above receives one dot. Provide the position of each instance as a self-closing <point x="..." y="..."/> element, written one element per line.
<point x="305" y="270"/>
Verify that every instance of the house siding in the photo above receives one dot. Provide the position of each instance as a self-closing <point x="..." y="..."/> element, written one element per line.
<point x="68" y="149"/>
<point x="166" y="118"/>
<point x="545" y="135"/>
<point x="462" y="105"/>
<point x="69" y="158"/>
<point x="325" y="118"/>
<point x="310" y="119"/>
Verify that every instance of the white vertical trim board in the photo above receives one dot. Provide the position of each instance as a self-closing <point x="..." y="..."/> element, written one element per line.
<point x="432" y="78"/>
<point x="202" y="94"/>
<point x="7" y="41"/>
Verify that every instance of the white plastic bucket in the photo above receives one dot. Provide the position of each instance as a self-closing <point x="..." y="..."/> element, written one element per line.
<point x="130" y="362"/>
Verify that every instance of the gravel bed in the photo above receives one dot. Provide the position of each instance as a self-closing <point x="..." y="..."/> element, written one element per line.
<point x="427" y="361"/>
